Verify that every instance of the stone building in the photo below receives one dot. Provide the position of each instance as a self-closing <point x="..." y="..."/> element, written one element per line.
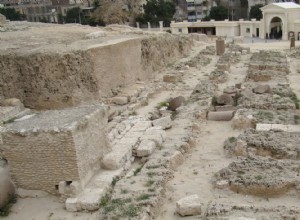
<point x="280" y="21"/>
<point x="50" y="147"/>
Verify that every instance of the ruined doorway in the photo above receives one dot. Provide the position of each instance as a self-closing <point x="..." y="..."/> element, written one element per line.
<point x="275" y="28"/>
<point x="257" y="32"/>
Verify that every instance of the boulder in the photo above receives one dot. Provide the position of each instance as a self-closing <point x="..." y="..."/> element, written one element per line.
<point x="261" y="89"/>
<point x="120" y="100"/>
<point x="188" y="206"/>
<point x="176" y="103"/>
<point x="7" y="189"/>
<point x="13" y="102"/>
<point x="225" y="99"/>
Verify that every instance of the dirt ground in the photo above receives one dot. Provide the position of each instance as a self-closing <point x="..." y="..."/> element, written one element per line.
<point x="207" y="157"/>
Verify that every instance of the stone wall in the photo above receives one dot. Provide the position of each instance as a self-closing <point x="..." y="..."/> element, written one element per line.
<point x="52" y="80"/>
<point x="55" y="146"/>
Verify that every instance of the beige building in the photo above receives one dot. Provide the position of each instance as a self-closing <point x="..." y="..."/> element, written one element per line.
<point x="56" y="146"/>
<point x="280" y="20"/>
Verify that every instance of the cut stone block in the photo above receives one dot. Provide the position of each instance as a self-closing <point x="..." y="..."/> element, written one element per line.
<point x="156" y="131"/>
<point x="220" y="116"/>
<point x="188" y="206"/>
<point x="119" y="100"/>
<point x="72" y="205"/>
<point x="117" y="158"/>
<point x="164" y="122"/>
<point x="171" y="78"/>
<point x="279" y="127"/>
<point x="73" y="140"/>
<point x="90" y="199"/>
<point x="145" y="148"/>
<point x="263" y="127"/>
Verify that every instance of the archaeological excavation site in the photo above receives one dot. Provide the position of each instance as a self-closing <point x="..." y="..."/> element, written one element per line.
<point x="107" y="123"/>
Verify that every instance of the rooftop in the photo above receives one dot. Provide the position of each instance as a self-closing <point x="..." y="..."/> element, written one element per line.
<point x="286" y="5"/>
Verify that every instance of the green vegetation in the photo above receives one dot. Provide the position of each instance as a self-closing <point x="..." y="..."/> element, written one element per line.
<point x="295" y="99"/>
<point x="114" y="181"/>
<point x="121" y="207"/>
<point x="4" y="211"/>
<point x="143" y="197"/>
<point x="149" y="183"/>
<point x="217" y="13"/>
<point x="265" y="115"/>
<point x="157" y="10"/>
<point x="232" y="139"/>
<point x="11" y="120"/>
<point x="137" y="170"/>
<point x="259" y="177"/>
<point x="255" y="11"/>
<point x="12" y="15"/>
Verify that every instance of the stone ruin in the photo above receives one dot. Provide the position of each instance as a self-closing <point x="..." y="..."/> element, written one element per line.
<point x="66" y="145"/>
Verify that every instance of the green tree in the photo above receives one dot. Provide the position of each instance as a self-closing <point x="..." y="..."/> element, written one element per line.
<point x="12" y="14"/>
<point x="255" y="11"/>
<point x="157" y="10"/>
<point x="73" y="14"/>
<point x="218" y="13"/>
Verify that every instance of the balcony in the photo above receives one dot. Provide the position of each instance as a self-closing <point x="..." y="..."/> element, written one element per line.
<point x="192" y="17"/>
<point x="191" y="8"/>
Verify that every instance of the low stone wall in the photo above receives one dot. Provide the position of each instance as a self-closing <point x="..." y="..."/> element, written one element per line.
<point x="55" y="146"/>
<point x="52" y="80"/>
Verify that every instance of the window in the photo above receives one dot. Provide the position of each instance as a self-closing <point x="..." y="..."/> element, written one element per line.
<point x="180" y="30"/>
<point x="247" y="30"/>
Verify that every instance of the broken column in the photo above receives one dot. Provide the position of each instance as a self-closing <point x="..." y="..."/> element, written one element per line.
<point x="220" y="46"/>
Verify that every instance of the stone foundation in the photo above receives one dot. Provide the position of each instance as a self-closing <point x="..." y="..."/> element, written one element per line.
<point x="55" y="146"/>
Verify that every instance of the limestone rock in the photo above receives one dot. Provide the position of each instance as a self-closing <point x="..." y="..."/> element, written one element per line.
<point x="260" y="89"/>
<point x="164" y="122"/>
<point x="12" y="102"/>
<point x="176" y="103"/>
<point x="171" y="78"/>
<point x="189" y="205"/>
<point x="220" y="116"/>
<point x="119" y="100"/>
<point x="145" y="148"/>
<point x="96" y="34"/>
<point x="225" y="99"/>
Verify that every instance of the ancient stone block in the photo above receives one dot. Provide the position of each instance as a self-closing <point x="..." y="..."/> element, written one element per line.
<point x="55" y="146"/>
<point x="220" y="116"/>
<point x="120" y="100"/>
<point x="225" y="99"/>
<point x="164" y="122"/>
<point x="72" y="205"/>
<point x="260" y="89"/>
<point x="188" y="206"/>
<point x="145" y="148"/>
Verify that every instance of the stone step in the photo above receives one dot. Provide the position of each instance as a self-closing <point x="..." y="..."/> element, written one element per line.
<point x="89" y="199"/>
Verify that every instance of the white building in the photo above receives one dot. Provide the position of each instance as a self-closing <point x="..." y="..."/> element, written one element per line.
<point x="280" y="20"/>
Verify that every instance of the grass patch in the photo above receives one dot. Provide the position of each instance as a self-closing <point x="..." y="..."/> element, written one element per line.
<point x="265" y="115"/>
<point x="114" y="181"/>
<point x="11" y="120"/>
<point x="163" y="104"/>
<point x="143" y="197"/>
<point x="232" y="139"/>
<point x="259" y="177"/>
<point x="124" y="191"/>
<point x="149" y="183"/>
<point x="137" y="170"/>
<point x="151" y="174"/>
<point x="152" y="166"/>
<point x="295" y="99"/>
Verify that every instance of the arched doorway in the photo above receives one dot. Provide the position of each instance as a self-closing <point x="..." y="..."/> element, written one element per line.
<point x="275" y="28"/>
